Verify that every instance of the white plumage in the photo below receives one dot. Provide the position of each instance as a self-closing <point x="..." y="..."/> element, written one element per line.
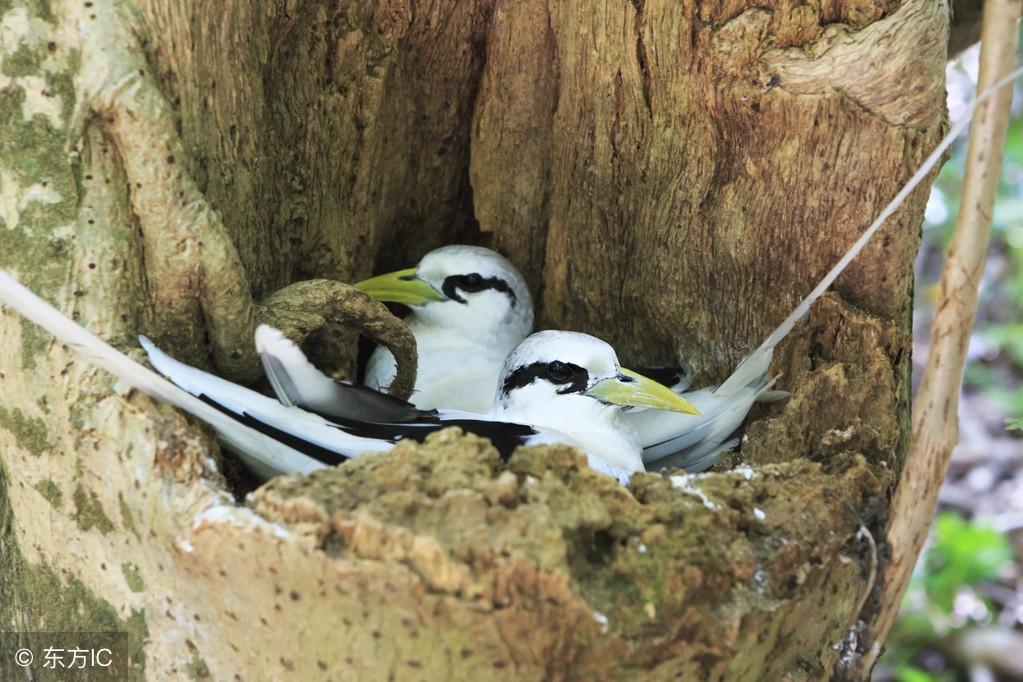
<point x="555" y="387"/>
<point x="462" y="344"/>
<point x="695" y="443"/>
<point x="600" y="429"/>
<point x="463" y="339"/>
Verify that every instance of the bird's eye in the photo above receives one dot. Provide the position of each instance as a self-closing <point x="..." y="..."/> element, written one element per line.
<point x="471" y="283"/>
<point x="559" y="372"/>
<point x="455" y="285"/>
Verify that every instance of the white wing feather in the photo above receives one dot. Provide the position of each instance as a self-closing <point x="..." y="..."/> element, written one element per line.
<point x="309" y="427"/>
<point x="302" y="384"/>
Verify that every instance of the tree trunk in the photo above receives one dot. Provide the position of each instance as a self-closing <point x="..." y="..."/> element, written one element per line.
<point x="671" y="176"/>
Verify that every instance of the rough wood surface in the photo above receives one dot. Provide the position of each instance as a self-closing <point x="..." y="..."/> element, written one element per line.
<point x="672" y="176"/>
<point x="675" y="179"/>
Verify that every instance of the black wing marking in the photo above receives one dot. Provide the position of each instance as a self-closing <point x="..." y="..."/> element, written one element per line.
<point x="317" y="452"/>
<point x="349" y="401"/>
<point x="505" y="436"/>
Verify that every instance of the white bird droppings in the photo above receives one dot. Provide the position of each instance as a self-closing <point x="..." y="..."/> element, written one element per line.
<point x="746" y="471"/>
<point x="683" y="484"/>
<point x="238" y="517"/>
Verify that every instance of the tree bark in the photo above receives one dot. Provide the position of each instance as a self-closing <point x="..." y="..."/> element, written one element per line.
<point x="671" y="176"/>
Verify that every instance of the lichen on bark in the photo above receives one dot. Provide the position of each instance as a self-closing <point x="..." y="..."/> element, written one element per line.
<point x="35" y="598"/>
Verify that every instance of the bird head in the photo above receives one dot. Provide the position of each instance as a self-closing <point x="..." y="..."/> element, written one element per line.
<point x="578" y="373"/>
<point x="460" y="286"/>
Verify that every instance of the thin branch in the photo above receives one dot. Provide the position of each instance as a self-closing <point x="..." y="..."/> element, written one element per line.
<point x="935" y="422"/>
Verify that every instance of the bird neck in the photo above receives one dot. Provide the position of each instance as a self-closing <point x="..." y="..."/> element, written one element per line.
<point x="488" y="320"/>
<point x="601" y="430"/>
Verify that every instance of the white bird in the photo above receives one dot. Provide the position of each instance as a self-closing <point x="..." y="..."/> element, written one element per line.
<point x="557" y="387"/>
<point x="469" y="307"/>
<point x="573" y="382"/>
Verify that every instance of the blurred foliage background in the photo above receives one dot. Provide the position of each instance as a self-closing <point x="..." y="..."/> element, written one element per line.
<point x="962" y="618"/>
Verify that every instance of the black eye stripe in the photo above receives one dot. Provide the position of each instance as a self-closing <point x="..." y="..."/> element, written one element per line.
<point x="472" y="283"/>
<point x="575" y="376"/>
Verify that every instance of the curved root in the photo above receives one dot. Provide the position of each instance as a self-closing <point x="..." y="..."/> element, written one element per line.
<point x="303" y="307"/>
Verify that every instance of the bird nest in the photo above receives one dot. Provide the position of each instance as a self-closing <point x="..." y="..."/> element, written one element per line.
<point x="544" y="565"/>
<point x="440" y="557"/>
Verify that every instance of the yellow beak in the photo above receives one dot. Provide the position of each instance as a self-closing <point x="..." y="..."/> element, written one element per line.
<point x="401" y="286"/>
<point x="636" y="390"/>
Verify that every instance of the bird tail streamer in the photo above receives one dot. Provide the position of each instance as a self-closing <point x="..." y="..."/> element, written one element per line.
<point x="265" y="455"/>
<point x="696" y="443"/>
<point x="756" y="363"/>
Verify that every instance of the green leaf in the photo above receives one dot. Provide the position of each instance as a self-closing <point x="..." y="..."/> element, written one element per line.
<point x="908" y="673"/>
<point x="963" y="553"/>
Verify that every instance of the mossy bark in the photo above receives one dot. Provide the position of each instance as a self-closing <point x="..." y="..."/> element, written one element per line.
<point x="672" y="176"/>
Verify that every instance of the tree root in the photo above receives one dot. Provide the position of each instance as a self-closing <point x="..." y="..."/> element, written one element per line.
<point x="303" y="307"/>
<point x="197" y="281"/>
